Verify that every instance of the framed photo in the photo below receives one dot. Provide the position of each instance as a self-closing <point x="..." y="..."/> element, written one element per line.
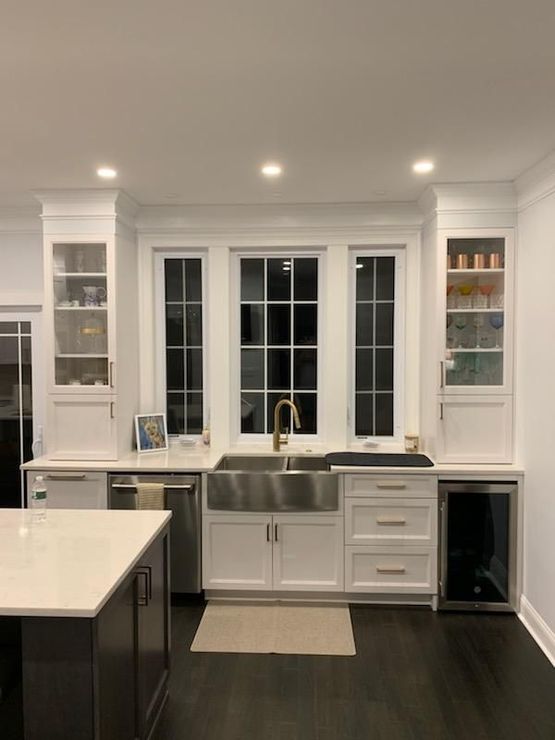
<point x="151" y="432"/>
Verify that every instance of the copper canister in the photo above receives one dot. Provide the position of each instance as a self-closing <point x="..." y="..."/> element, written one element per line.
<point x="479" y="261"/>
<point x="462" y="262"/>
<point x="449" y="262"/>
<point x="494" y="261"/>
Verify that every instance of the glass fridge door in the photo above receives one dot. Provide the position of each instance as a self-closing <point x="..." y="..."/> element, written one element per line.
<point x="477" y="545"/>
<point x="80" y="315"/>
<point x="475" y="312"/>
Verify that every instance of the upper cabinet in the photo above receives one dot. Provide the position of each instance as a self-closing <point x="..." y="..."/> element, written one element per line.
<point x="91" y="327"/>
<point x="476" y="348"/>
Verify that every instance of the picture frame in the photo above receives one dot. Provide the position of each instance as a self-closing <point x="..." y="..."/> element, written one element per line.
<point x="151" y="432"/>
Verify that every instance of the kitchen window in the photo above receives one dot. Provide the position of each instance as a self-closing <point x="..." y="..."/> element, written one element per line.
<point x="184" y="346"/>
<point x="378" y="295"/>
<point x="278" y="341"/>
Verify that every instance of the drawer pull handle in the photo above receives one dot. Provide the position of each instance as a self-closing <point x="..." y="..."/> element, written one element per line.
<point x="390" y="520"/>
<point x="393" y="484"/>
<point x="390" y="568"/>
<point x="69" y="476"/>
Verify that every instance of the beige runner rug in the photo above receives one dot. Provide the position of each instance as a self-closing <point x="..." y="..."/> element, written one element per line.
<point x="290" y="629"/>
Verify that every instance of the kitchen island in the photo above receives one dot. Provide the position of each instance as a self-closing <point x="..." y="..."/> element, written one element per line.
<point x="91" y="591"/>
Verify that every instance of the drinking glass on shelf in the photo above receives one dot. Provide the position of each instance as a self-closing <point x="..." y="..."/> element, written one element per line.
<point x="496" y="321"/>
<point x="496" y="300"/>
<point x="485" y="293"/>
<point x="449" y="339"/>
<point x="477" y="323"/>
<point x="451" y="297"/>
<point x="465" y="296"/>
<point x="460" y="324"/>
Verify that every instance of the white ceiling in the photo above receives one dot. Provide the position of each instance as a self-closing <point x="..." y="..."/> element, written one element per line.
<point x="187" y="99"/>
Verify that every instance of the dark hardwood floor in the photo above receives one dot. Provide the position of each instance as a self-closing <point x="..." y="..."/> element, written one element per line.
<point x="416" y="675"/>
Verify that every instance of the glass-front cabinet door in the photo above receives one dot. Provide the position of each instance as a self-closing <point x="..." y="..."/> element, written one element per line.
<point x="477" y="335"/>
<point x="80" y="299"/>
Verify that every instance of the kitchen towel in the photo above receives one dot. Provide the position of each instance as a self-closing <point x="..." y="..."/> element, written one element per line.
<point x="266" y="627"/>
<point x="150" y="495"/>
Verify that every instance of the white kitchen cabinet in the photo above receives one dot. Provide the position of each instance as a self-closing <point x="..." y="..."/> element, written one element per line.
<point x="237" y="552"/>
<point x="391" y="521"/>
<point x="307" y="553"/>
<point x="474" y="429"/>
<point x="294" y="552"/>
<point x="72" y="489"/>
<point x="412" y="570"/>
<point x="91" y="327"/>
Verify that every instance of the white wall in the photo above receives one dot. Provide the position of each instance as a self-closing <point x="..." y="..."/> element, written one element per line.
<point x="20" y="267"/>
<point x="535" y="352"/>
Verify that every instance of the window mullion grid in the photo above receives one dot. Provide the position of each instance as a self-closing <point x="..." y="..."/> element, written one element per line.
<point x="20" y="400"/>
<point x="185" y="343"/>
<point x="291" y="340"/>
<point x="265" y="345"/>
<point x="375" y="287"/>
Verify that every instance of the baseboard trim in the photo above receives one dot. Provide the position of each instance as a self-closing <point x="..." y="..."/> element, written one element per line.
<point x="538" y="628"/>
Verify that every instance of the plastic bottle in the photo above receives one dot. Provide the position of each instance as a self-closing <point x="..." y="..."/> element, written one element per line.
<point x="38" y="499"/>
<point x="206" y="435"/>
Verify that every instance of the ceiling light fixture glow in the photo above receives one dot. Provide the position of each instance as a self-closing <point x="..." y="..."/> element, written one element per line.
<point x="423" y="166"/>
<point x="271" y="169"/>
<point x="108" y="173"/>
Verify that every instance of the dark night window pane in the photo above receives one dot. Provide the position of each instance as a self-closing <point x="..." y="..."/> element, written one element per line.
<point x="174" y="280"/>
<point x="364" y="415"/>
<point x="174" y="326"/>
<point x="193" y="325"/>
<point x="306" y="404"/>
<point x="364" y="370"/>
<point x="279" y="279"/>
<point x="175" y="372"/>
<point x="252" y="369"/>
<point x="25" y="327"/>
<point x="175" y="405"/>
<point x="194" y="413"/>
<point x="252" y="279"/>
<point x="364" y="328"/>
<point x="306" y="279"/>
<point x="193" y="281"/>
<point x="385" y="278"/>
<point x="285" y="413"/>
<point x="279" y="324"/>
<point x="8" y="327"/>
<point x="384" y="324"/>
<point x="305" y="369"/>
<point x="194" y="369"/>
<point x="252" y="324"/>
<point x="279" y="369"/>
<point x="306" y="324"/>
<point x="365" y="278"/>
<point x="252" y="413"/>
<point x="384" y="370"/>
<point x="384" y="414"/>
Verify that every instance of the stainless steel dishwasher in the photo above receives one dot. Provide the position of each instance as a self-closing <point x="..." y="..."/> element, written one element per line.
<point x="182" y="498"/>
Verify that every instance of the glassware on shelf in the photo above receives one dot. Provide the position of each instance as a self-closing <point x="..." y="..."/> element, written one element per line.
<point x="496" y="320"/>
<point x="465" y="296"/>
<point x="449" y="337"/>
<point x="460" y="324"/>
<point x="451" y="297"/>
<point x="496" y="300"/>
<point x="477" y="322"/>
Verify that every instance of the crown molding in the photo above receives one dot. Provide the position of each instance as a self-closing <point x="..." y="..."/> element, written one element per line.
<point x="536" y="183"/>
<point x="91" y="204"/>
<point x="491" y="203"/>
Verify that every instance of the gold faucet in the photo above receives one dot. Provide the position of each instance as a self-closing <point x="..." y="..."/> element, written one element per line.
<point x="277" y="438"/>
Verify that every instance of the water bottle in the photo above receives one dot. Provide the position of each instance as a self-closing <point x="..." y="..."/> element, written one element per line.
<point x="38" y="499"/>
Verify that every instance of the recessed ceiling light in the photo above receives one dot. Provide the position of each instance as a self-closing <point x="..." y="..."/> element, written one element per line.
<point x="271" y="169"/>
<point x="423" y="166"/>
<point x="108" y="173"/>
<point x="359" y="265"/>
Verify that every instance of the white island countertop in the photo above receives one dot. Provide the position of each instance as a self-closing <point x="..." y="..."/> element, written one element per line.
<point x="70" y="564"/>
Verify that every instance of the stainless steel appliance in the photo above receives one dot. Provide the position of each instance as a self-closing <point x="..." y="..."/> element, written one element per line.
<point x="477" y="540"/>
<point x="182" y="498"/>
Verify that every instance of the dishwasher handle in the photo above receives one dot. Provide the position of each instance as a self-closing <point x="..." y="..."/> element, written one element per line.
<point x="167" y="487"/>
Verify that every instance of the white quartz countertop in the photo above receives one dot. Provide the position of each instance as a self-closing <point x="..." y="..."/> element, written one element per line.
<point x="70" y="564"/>
<point x="201" y="459"/>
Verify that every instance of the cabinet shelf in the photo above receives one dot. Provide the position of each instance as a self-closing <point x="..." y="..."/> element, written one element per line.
<point x="475" y="310"/>
<point x="79" y="274"/>
<point x="80" y="355"/>
<point x="474" y="349"/>
<point x="81" y="308"/>
<point x="482" y="271"/>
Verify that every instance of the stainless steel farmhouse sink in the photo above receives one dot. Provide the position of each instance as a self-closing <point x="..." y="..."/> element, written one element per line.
<point x="272" y="483"/>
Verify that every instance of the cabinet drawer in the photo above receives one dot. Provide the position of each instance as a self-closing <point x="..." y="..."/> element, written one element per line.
<point x="72" y="489"/>
<point x="388" y="570"/>
<point x="418" y="486"/>
<point x="390" y="521"/>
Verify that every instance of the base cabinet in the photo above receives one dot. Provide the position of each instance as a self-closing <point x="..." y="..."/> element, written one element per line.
<point x="281" y="552"/>
<point x="386" y="570"/>
<point x="102" y="678"/>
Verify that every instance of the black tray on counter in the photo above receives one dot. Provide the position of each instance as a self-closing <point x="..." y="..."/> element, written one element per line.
<point x="379" y="459"/>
